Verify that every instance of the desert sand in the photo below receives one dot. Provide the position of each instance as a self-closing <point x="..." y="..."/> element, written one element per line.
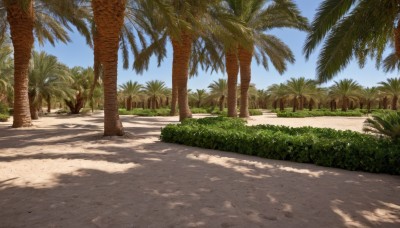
<point x="63" y="173"/>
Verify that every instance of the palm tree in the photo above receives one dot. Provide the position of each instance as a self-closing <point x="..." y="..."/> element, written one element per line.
<point x="260" y="18"/>
<point x="391" y="88"/>
<point x="47" y="78"/>
<point x="299" y="89"/>
<point x="6" y="69"/>
<point x="155" y="90"/>
<point x="278" y="93"/>
<point x="369" y="95"/>
<point x="78" y="91"/>
<point x="109" y="19"/>
<point x="345" y="90"/>
<point x="219" y="89"/>
<point x="347" y="34"/>
<point x="132" y="91"/>
<point x="387" y="124"/>
<point x="199" y="96"/>
<point x="48" y="19"/>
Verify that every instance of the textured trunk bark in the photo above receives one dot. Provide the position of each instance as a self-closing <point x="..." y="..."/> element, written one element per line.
<point x="180" y="70"/>
<point x="344" y="104"/>
<point x="397" y="39"/>
<point x="48" y="100"/>
<point x="281" y="104"/>
<point x="129" y="103"/>
<point x="245" y="57"/>
<point x="274" y="104"/>
<point x="232" y="70"/>
<point x="32" y="107"/>
<point x="174" y="99"/>
<point x="294" y="104"/>
<point x="109" y="18"/>
<point x="385" y="103"/>
<point x="301" y="101"/>
<point x="21" y="23"/>
<point x="310" y="104"/>
<point x="394" y="102"/>
<point x="369" y="106"/>
<point x="221" y="103"/>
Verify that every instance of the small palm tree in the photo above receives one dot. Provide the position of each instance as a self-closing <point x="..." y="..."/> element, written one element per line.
<point x="79" y="90"/>
<point x="345" y="90"/>
<point x="219" y="89"/>
<point x="47" y="78"/>
<point x="278" y="93"/>
<point x="132" y="92"/>
<point x="299" y="89"/>
<point x="199" y="96"/>
<point x="391" y="88"/>
<point x="369" y="95"/>
<point x="155" y="90"/>
<point x="387" y="124"/>
<point x="346" y="33"/>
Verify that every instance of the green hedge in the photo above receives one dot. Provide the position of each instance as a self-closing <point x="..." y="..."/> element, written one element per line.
<point x="302" y="114"/>
<point x="4" y="117"/>
<point x="252" y="112"/>
<point x="145" y="112"/>
<point x="321" y="146"/>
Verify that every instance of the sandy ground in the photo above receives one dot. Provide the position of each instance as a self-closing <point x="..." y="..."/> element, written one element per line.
<point x="62" y="173"/>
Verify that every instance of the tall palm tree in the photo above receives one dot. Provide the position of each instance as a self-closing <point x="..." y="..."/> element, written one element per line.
<point x="345" y="90"/>
<point x="391" y="88"/>
<point x="299" y="89"/>
<point x="155" y="90"/>
<point x="219" y="89"/>
<point x="132" y="91"/>
<point x="260" y="17"/>
<point x="109" y="19"/>
<point x="369" y="95"/>
<point x="345" y="32"/>
<point x="47" y="18"/>
<point x="47" y="78"/>
<point x="278" y="93"/>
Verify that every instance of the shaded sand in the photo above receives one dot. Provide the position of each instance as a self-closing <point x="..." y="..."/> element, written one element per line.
<point x="62" y="173"/>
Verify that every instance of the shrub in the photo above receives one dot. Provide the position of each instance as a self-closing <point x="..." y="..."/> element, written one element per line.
<point x="145" y="112"/>
<point x="387" y="124"/>
<point x="255" y="112"/>
<point x="4" y="117"/>
<point x="3" y="108"/>
<point x="199" y="110"/>
<point x="322" y="146"/>
<point x="252" y="112"/>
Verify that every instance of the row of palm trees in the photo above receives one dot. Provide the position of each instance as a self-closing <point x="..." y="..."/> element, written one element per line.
<point x="211" y="34"/>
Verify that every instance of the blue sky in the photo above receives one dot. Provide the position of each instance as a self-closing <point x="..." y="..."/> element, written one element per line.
<point x="77" y="53"/>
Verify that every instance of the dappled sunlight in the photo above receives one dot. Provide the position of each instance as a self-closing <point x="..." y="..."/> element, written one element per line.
<point x="345" y="217"/>
<point x="388" y="213"/>
<point x="232" y="163"/>
<point x="43" y="173"/>
<point x="314" y="174"/>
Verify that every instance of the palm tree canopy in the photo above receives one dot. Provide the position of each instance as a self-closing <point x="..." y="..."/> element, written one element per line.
<point x="52" y="17"/>
<point x="47" y="76"/>
<point x="219" y="88"/>
<point x="261" y="16"/>
<point x="300" y="87"/>
<point x="277" y="91"/>
<point x="345" y="88"/>
<point x="155" y="88"/>
<point x="353" y="28"/>
<point x="391" y="87"/>
<point x="130" y="88"/>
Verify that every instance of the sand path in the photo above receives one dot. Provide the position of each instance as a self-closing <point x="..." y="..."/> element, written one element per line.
<point x="62" y="173"/>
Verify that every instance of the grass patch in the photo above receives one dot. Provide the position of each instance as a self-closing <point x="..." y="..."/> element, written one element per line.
<point x="321" y="146"/>
<point x="4" y="117"/>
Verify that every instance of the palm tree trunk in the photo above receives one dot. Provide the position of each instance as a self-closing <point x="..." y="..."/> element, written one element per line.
<point x="281" y="104"/>
<point x="294" y="104"/>
<point x="385" y="102"/>
<point x="180" y="71"/>
<point x="274" y="104"/>
<point x="174" y="99"/>
<point x="344" y="104"/>
<point x="369" y="106"/>
<point x="21" y="28"/>
<point x="109" y="18"/>
<point x="232" y="70"/>
<point x="397" y="39"/>
<point x="129" y="103"/>
<point x="32" y="107"/>
<point x="221" y="103"/>
<point x="245" y="57"/>
<point x="394" y="102"/>
<point x="48" y="104"/>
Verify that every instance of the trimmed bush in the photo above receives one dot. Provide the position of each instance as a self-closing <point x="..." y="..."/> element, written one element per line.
<point x="252" y="112"/>
<point x="321" y="146"/>
<point x="145" y="112"/>
<point x="4" y="117"/>
<point x="199" y="110"/>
